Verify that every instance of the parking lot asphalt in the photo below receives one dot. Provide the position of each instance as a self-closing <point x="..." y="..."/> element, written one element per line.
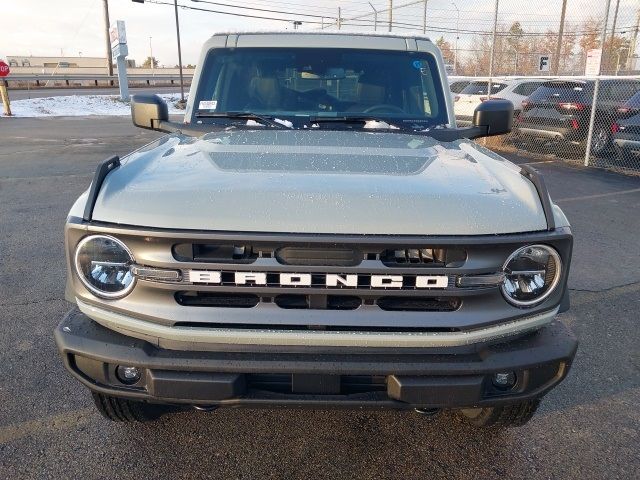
<point x="589" y="427"/>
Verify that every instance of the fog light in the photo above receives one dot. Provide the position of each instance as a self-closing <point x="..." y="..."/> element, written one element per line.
<point x="504" y="380"/>
<point x="128" y="375"/>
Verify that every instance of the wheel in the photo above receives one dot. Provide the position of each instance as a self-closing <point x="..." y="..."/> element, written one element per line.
<point x="600" y="140"/>
<point x="514" y="415"/>
<point x="121" y="410"/>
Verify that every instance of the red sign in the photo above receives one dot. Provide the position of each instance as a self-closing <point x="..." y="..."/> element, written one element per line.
<point x="4" y="69"/>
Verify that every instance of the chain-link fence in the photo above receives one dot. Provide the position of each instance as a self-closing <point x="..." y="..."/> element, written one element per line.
<point x="570" y="67"/>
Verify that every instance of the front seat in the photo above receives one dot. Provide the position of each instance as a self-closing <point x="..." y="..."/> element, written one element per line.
<point x="266" y="92"/>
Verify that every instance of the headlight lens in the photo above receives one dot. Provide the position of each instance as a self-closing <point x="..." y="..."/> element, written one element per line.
<point x="531" y="275"/>
<point x="103" y="265"/>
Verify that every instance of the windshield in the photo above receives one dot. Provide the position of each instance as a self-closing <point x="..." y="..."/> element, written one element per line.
<point x="311" y="82"/>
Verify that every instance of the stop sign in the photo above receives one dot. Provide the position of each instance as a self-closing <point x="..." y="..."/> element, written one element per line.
<point x="4" y="69"/>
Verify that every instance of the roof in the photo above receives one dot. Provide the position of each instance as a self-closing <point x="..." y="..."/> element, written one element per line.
<point x="417" y="36"/>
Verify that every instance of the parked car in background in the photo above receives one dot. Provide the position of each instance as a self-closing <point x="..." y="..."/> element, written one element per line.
<point x="513" y="89"/>
<point x="626" y="129"/>
<point x="559" y="111"/>
<point x="457" y="84"/>
<point x="473" y="95"/>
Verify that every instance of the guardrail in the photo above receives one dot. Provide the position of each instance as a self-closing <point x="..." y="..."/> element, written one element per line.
<point x="96" y="79"/>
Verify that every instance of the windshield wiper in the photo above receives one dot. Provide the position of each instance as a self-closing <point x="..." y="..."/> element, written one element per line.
<point x="244" y="116"/>
<point x="363" y="119"/>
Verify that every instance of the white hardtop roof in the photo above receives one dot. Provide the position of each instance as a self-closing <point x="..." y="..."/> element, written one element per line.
<point x="348" y="33"/>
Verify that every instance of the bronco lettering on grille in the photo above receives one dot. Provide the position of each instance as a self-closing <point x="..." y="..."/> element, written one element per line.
<point x="326" y="280"/>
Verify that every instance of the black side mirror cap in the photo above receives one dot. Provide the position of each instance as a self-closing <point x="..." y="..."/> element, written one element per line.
<point x="149" y="111"/>
<point x="494" y="115"/>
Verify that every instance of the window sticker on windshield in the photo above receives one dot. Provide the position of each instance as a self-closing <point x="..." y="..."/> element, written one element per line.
<point x="417" y="64"/>
<point x="208" y="104"/>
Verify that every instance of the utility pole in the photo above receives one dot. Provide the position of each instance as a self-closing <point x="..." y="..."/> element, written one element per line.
<point x="107" y="39"/>
<point x="613" y="33"/>
<point x="390" y="14"/>
<point x="339" y="18"/>
<point x="424" y="18"/>
<point x="175" y="4"/>
<point x="632" y="45"/>
<point x="556" y="57"/>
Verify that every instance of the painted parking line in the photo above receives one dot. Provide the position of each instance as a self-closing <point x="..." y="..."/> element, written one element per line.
<point x="597" y="195"/>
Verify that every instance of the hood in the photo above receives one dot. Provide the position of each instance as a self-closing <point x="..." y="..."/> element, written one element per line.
<point x="320" y="181"/>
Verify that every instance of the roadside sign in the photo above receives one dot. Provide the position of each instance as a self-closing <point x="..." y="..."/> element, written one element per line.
<point x="4" y="69"/>
<point x="592" y="65"/>
<point x="544" y="63"/>
<point x="118" y="34"/>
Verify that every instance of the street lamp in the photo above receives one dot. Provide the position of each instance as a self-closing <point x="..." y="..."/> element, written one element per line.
<point x="151" y="59"/>
<point x="455" y="52"/>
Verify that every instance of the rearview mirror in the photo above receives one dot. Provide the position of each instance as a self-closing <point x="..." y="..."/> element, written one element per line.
<point x="494" y="115"/>
<point x="148" y="111"/>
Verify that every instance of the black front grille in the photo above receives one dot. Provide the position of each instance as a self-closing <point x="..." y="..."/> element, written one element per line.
<point x="318" y="302"/>
<point x="329" y="256"/>
<point x="423" y="257"/>
<point x="419" y="304"/>
<point x="214" y="253"/>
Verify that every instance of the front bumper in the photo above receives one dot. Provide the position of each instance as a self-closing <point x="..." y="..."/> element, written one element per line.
<point x="450" y="377"/>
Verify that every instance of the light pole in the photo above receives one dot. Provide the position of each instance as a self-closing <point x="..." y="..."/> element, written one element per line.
<point x="175" y="4"/>
<point x="375" y="17"/>
<point x="153" y="67"/>
<point x="455" y="52"/>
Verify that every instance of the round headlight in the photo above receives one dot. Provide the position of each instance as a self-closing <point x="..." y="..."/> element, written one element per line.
<point x="102" y="264"/>
<point x="531" y="275"/>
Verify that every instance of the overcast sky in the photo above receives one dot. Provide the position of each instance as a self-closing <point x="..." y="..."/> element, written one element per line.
<point x="73" y="27"/>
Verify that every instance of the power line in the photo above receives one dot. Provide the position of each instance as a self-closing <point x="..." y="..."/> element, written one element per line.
<point x="367" y="22"/>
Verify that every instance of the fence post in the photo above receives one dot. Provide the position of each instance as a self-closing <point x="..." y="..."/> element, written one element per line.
<point x="596" y="88"/>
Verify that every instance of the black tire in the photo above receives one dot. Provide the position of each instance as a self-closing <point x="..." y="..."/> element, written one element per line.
<point x="514" y="415"/>
<point x="601" y="140"/>
<point x="121" y="410"/>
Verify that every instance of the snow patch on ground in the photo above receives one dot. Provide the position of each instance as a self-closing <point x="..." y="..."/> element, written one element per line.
<point x="82" y="105"/>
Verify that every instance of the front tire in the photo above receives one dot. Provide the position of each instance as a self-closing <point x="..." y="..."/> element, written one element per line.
<point x="121" y="410"/>
<point x="514" y="415"/>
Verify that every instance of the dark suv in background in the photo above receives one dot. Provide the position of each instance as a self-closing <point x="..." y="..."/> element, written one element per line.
<point x="626" y="129"/>
<point x="559" y="111"/>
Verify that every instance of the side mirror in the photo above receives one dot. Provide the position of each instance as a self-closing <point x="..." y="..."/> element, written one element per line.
<point x="149" y="111"/>
<point x="495" y="116"/>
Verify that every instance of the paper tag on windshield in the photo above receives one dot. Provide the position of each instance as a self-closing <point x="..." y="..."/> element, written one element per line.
<point x="208" y="104"/>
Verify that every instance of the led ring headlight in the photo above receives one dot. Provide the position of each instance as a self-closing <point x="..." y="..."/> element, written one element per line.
<point x="531" y="274"/>
<point x="103" y="265"/>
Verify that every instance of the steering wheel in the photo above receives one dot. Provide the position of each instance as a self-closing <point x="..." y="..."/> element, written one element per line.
<point x="384" y="108"/>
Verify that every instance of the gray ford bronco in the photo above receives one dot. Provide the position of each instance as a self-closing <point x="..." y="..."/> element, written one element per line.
<point x="317" y="233"/>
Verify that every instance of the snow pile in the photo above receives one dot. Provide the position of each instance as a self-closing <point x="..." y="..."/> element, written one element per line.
<point x="82" y="105"/>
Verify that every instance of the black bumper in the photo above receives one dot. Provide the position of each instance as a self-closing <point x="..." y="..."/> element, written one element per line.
<point x="444" y="378"/>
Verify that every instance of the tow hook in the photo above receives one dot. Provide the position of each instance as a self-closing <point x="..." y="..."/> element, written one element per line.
<point x="205" y="408"/>
<point x="427" y="412"/>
